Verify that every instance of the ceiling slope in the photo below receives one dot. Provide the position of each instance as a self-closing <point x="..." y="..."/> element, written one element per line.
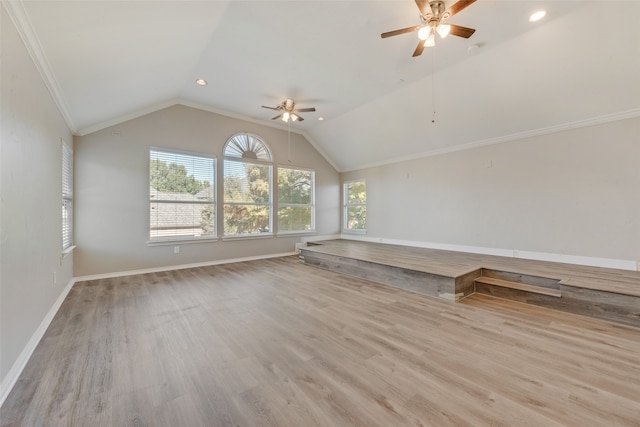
<point x="106" y="61"/>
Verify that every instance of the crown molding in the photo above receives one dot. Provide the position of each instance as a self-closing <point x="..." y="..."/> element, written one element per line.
<point x="594" y="121"/>
<point x="304" y="133"/>
<point x="170" y="103"/>
<point x="320" y="150"/>
<point x="129" y="116"/>
<point x="18" y="14"/>
<point x="179" y="101"/>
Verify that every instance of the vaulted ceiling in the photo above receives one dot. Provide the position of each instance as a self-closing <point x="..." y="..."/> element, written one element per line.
<point x="108" y="61"/>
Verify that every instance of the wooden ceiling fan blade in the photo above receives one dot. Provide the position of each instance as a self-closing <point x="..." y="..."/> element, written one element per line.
<point x="398" y="32"/>
<point x="304" y="110"/>
<point x="424" y="6"/>
<point x="276" y="117"/>
<point x="300" y="119"/>
<point x="459" y="31"/>
<point x="419" y="49"/>
<point x="271" y="108"/>
<point x="457" y="7"/>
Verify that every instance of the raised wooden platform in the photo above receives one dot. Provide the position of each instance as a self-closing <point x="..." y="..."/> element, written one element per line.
<point x="608" y="294"/>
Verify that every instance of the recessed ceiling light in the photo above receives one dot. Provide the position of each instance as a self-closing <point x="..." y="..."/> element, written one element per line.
<point x="320" y="118"/>
<point x="201" y="82"/>
<point x="536" y="16"/>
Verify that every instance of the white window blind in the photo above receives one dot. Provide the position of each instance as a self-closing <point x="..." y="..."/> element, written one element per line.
<point x="67" y="197"/>
<point x="181" y="195"/>
<point x="295" y="200"/>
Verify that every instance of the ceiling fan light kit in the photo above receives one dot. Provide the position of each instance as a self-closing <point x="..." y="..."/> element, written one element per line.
<point x="430" y="41"/>
<point x="432" y="15"/>
<point x="443" y="30"/>
<point x="286" y="117"/>
<point x="288" y="112"/>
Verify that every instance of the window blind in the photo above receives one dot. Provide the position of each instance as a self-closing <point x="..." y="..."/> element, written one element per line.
<point x="67" y="197"/>
<point x="181" y="195"/>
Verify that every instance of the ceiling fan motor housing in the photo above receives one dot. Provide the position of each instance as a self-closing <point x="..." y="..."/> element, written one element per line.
<point x="437" y="9"/>
<point x="289" y="104"/>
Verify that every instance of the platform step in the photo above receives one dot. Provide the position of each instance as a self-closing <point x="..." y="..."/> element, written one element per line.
<point x="519" y="286"/>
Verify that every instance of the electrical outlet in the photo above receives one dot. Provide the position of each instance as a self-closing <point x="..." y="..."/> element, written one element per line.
<point x="176" y="249"/>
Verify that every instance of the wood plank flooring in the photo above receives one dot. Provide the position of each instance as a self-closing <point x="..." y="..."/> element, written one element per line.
<point x="276" y="343"/>
<point x="455" y="264"/>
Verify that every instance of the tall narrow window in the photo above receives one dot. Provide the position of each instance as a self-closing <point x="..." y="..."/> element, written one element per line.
<point x="295" y="200"/>
<point x="248" y="175"/>
<point x="67" y="196"/>
<point x="181" y="195"/>
<point x="355" y="206"/>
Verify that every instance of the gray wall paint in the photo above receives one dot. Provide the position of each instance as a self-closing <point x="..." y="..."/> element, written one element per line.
<point x="112" y="189"/>
<point x="30" y="193"/>
<point x="574" y="193"/>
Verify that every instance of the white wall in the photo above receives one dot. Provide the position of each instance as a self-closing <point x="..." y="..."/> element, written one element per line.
<point x="112" y="190"/>
<point x="572" y="194"/>
<point x="30" y="193"/>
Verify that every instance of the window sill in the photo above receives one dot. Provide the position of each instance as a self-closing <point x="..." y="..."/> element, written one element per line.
<point x="248" y="236"/>
<point x="66" y="252"/>
<point x="184" y="241"/>
<point x="354" y="231"/>
<point x="295" y="233"/>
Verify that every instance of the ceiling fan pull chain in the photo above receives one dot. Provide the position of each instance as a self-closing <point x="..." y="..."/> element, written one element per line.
<point x="289" y="141"/>
<point x="433" y="86"/>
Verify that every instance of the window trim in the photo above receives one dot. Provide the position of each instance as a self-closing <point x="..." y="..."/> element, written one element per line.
<point x="312" y="204"/>
<point x="168" y="240"/>
<point x="346" y="205"/>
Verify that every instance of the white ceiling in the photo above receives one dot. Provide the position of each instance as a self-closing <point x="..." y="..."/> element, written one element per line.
<point x="107" y="61"/>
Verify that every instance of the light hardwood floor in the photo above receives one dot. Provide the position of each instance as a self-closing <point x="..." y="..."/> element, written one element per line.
<point x="278" y="343"/>
<point x="454" y="264"/>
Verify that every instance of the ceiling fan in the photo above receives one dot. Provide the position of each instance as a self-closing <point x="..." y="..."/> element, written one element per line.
<point x="433" y="14"/>
<point x="288" y="111"/>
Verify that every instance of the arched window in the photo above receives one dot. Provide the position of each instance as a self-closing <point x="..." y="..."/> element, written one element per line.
<point x="248" y="172"/>
<point x="247" y="146"/>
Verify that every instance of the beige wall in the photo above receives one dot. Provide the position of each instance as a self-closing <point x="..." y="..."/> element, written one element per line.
<point x="112" y="190"/>
<point x="574" y="193"/>
<point x="30" y="194"/>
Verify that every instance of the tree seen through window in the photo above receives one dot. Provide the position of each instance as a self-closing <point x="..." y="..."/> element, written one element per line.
<point x="355" y="205"/>
<point x="295" y="200"/>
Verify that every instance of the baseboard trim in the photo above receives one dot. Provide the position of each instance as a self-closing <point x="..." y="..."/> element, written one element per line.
<point x="618" y="264"/>
<point x="14" y="373"/>
<point x="178" y="267"/>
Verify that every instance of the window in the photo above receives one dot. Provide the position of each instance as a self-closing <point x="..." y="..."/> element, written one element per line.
<point x="295" y="200"/>
<point x="67" y="197"/>
<point x="355" y="206"/>
<point x="248" y="175"/>
<point x="181" y="195"/>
